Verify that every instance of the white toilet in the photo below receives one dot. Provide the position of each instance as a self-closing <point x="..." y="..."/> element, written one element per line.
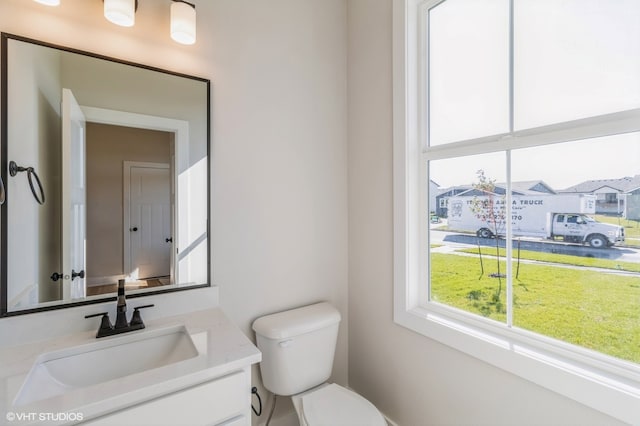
<point x="297" y="358"/>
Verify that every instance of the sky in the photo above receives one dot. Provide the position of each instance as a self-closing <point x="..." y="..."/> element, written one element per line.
<point x="560" y="166"/>
<point x="571" y="59"/>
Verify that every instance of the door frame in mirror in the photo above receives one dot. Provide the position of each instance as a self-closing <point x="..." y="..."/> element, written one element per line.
<point x="180" y="130"/>
<point x="97" y="116"/>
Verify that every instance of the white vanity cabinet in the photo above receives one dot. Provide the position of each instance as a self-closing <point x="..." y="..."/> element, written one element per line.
<point x="208" y="385"/>
<point x="223" y="401"/>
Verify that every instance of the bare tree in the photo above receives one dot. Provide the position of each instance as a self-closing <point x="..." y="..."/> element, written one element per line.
<point x="489" y="208"/>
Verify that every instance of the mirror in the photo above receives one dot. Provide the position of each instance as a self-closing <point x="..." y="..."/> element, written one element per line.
<point x="105" y="165"/>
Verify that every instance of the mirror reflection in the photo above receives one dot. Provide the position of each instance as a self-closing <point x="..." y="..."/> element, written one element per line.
<point x="129" y="171"/>
<point x="119" y="154"/>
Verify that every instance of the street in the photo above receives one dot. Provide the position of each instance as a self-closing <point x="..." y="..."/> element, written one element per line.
<point x="460" y="240"/>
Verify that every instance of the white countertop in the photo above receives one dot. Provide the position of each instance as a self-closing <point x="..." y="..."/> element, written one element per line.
<point x="222" y="349"/>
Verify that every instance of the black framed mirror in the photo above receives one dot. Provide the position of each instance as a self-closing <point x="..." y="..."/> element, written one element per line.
<point x="106" y="170"/>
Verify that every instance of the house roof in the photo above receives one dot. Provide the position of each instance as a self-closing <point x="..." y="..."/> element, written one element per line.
<point x="625" y="184"/>
<point x="529" y="187"/>
<point x="451" y="190"/>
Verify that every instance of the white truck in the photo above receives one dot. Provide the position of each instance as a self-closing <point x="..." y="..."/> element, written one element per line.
<point x="556" y="217"/>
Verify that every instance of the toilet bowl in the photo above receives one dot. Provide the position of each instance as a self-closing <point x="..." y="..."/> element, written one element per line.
<point x="298" y="348"/>
<point x="332" y="405"/>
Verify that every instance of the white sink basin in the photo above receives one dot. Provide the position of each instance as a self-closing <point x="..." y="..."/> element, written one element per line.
<point x="57" y="372"/>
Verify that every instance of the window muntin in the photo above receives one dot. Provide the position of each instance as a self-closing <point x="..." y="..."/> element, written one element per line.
<point x="504" y="298"/>
<point x="603" y="383"/>
<point x="564" y="61"/>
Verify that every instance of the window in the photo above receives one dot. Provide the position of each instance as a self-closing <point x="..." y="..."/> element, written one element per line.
<point x="510" y="105"/>
<point x="611" y="198"/>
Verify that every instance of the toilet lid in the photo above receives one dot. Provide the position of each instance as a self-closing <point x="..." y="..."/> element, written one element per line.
<point x="333" y="405"/>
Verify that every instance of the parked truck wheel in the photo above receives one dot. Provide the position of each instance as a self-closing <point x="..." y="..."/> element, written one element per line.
<point x="598" y="241"/>
<point x="484" y="233"/>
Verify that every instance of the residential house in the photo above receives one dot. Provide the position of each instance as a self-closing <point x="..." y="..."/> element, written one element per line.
<point x="614" y="196"/>
<point x="535" y="187"/>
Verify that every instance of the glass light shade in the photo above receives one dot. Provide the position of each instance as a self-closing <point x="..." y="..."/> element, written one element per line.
<point x="183" y="22"/>
<point x="120" y="12"/>
<point x="49" y="2"/>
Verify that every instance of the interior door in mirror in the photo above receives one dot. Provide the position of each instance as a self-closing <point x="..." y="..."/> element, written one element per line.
<point x="73" y="198"/>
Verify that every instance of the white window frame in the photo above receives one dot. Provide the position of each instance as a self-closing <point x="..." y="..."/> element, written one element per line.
<point x="599" y="381"/>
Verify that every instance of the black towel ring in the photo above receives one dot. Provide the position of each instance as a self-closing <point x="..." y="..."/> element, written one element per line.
<point x="3" y="194"/>
<point x="14" y="169"/>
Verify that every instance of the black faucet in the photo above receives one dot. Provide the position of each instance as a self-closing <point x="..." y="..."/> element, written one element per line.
<point x="121" y="309"/>
<point x="121" y="325"/>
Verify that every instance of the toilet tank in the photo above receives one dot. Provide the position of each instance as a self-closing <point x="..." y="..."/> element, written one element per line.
<point x="297" y="347"/>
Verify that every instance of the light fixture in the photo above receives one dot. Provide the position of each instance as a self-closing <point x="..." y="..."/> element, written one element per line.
<point x="183" y="22"/>
<point x="121" y="12"/>
<point x="49" y="2"/>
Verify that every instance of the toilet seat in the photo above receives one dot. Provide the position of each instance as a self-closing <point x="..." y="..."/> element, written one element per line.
<point x="333" y="405"/>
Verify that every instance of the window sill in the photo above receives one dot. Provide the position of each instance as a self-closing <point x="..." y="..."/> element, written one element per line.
<point x="611" y="389"/>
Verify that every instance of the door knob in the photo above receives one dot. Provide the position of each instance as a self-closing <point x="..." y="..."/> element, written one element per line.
<point x="56" y="276"/>
<point x="134" y="229"/>
<point x="75" y="274"/>
<point x="169" y="240"/>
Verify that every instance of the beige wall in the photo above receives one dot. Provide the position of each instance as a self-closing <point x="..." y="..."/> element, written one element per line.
<point x="279" y="137"/>
<point x="280" y="159"/>
<point x="34" y="97"/>
<point x="107" y="148"/>
<point x="414" y="380"/>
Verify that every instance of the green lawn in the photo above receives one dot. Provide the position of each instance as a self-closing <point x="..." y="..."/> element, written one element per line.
<point x="560" y="258"/>
<point x="596" y="310"/>
<point x="631" y="228"/>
